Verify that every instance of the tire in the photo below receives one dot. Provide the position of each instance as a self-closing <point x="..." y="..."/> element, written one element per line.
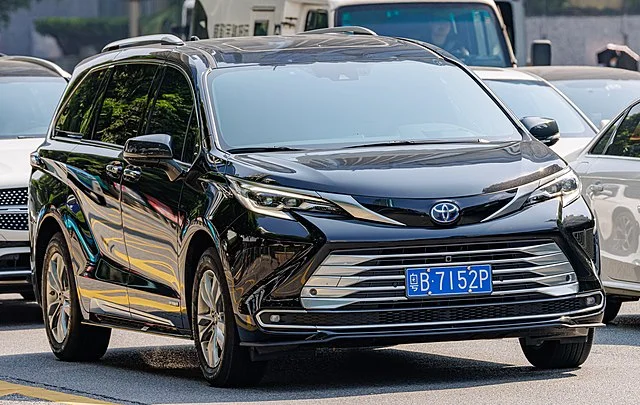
<point x="553" y="354"/>
<point x="611" y="309"/>
<point x="225" y="364"/>
<point x="28" y="296"/>
<point x="69" y="339"/>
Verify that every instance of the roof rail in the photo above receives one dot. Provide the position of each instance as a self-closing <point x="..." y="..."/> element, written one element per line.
<point x="159" y="39"/>
<point x="349" y="30"/>
<point x="42" y="63"/>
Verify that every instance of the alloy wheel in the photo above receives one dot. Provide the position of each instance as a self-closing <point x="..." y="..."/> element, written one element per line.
<point x="58" y="298"/>
<point x="211" y="326"/>
<point x="624" y="234"/>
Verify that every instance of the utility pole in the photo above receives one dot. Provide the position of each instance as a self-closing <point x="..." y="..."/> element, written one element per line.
<point x="134" y="18"/>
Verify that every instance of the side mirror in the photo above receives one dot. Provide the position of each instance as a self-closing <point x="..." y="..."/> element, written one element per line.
<point x="148" y="147"/>
<point x="604" y="123"/>
<point x="541" y="52"/>
<point x="153" y="151"/>
<point x="543" y="129"/>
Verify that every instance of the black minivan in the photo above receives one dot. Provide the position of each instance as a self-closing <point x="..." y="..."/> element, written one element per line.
<point x="260" y="195"/>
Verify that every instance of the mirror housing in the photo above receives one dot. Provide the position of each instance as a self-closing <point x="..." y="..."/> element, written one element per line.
<point x="543" y="129"/>
<point x="148" y="147"/>
<point x="153" y="151"/>
<point x="541" y="52"/>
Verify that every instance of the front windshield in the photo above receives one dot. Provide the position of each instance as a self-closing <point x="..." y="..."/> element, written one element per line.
<point x="600" y="99"/>
<point x="470" y="32"/>
<point x="27" y="105"/>
<point x="528" y="98"/>
<point x="325" y="105"/>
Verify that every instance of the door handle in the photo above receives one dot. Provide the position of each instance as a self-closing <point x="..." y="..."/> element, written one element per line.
<point x="132" y="174"/>
<point x="114" y="170"/>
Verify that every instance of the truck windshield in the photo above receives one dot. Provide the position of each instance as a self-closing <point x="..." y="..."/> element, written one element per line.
<point x="470" y="32"/>
<point x="328" y="105"/>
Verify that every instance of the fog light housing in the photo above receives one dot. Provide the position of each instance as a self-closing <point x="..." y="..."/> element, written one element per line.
<point x="589" y="301"/>
<point x="274" y="318"/>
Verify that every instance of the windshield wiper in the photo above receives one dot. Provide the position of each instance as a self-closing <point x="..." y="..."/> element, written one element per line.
<point x="264" y="149"/>
<point x="418" y="142"/>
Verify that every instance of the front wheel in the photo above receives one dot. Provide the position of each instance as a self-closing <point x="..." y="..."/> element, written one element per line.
<point x="224" y="363"/>
<point x="554" y="354"/>
<point x="69" y="339"/>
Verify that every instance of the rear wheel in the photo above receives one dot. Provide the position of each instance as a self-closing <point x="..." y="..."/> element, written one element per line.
<point x="611" y="309"/>
<point x="554" y="354"/>
<point x="224" y="363"/>
<point x="69" y="339"/>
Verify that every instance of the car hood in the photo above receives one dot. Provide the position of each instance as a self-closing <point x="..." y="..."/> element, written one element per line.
<point x="14" y="165"/>
<point x="570" y="148"/>
<point x="418" y="171"/>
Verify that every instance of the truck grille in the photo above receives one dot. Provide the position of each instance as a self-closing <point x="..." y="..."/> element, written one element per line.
<point x="14" y="222"/>
<point x="13" y="196"/>
<point x="371" y="277"/>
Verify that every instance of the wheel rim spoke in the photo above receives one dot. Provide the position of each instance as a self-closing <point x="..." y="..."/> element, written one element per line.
<point x="210" y="321"/>
<point x="58" y="299"/>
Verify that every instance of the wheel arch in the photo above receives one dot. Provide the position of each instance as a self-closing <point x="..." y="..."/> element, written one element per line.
<point x="49" y="225"/>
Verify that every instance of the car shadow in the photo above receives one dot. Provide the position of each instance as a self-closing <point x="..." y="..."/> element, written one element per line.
<point x="321" y="374"/>
<point x="16" y="313"/>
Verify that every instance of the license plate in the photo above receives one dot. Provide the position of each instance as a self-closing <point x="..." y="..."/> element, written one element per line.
<point x="454" y="280"/>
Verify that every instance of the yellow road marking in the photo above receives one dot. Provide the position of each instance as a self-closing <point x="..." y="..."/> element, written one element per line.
<point x="45" y="394"/>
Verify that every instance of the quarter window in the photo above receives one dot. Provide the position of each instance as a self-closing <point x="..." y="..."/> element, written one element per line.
<point x="601" y="145"/>
<point x="316" y="19"/>
<point x="75" y="119"/>
<point x="626" y="141"/>
<point x="124" y="104"/>
<point x="174" y="114"/>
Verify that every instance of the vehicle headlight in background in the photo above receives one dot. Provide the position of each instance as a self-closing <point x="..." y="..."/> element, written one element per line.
<point x="278" y="201"/>
<point x="565" y="185"/>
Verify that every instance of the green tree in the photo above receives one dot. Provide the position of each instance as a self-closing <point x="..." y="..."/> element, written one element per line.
<point x="9" y="6"/>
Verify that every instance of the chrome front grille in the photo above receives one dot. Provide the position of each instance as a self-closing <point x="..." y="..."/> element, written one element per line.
<point x="13" y="197"/>
<point x="374" y="276"/>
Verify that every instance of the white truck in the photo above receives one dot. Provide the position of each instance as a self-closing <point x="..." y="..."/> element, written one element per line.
<point x="472" y="30"/>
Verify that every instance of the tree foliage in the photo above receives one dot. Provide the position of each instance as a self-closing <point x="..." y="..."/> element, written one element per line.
<point x="572" y="7"/>
<point x="74" y="33"/>
<point x="7" y="7"/>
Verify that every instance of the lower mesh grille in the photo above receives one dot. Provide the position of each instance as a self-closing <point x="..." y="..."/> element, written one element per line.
<point x="13" y="196"/>
<point x="14" y="222"/>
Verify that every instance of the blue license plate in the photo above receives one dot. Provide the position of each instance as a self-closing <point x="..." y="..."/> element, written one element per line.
<point x="454" y="280"/>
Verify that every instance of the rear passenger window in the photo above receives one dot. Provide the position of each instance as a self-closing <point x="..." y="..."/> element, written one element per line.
<point x="317" y="19"/>
<point x="601" y="145"/>
<point x="626" y="141"/>
<point x="124" y="103"/>
<point x="76" y="117"/>
<point x="173" y="113"/>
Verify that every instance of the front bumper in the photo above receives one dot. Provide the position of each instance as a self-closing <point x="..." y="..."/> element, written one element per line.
<point x="272" y="312"/>
<point x="15" y="270"/>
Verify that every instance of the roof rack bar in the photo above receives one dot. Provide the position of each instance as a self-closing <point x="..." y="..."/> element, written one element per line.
<point x="160" y="39"/>
<point x="349" y="30"/>
<point x="42" y="63"/>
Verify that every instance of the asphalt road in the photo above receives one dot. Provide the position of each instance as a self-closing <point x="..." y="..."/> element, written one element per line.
<point x="148" y="369"/>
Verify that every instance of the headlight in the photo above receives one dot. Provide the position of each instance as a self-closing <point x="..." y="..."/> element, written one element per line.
<point x="566" y="185"/>
<point x="278" y="201"/>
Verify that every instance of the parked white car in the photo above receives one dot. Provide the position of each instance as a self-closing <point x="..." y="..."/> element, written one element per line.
<point x="610" y="171"/>
<point x="528" y="95"/>
<point x="30" y="89"/>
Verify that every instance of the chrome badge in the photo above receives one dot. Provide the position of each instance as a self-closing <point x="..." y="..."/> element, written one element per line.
<point x="445" y="213"/>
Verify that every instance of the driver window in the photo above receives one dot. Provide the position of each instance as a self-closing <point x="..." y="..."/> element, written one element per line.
<point x="626" y="141"/>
